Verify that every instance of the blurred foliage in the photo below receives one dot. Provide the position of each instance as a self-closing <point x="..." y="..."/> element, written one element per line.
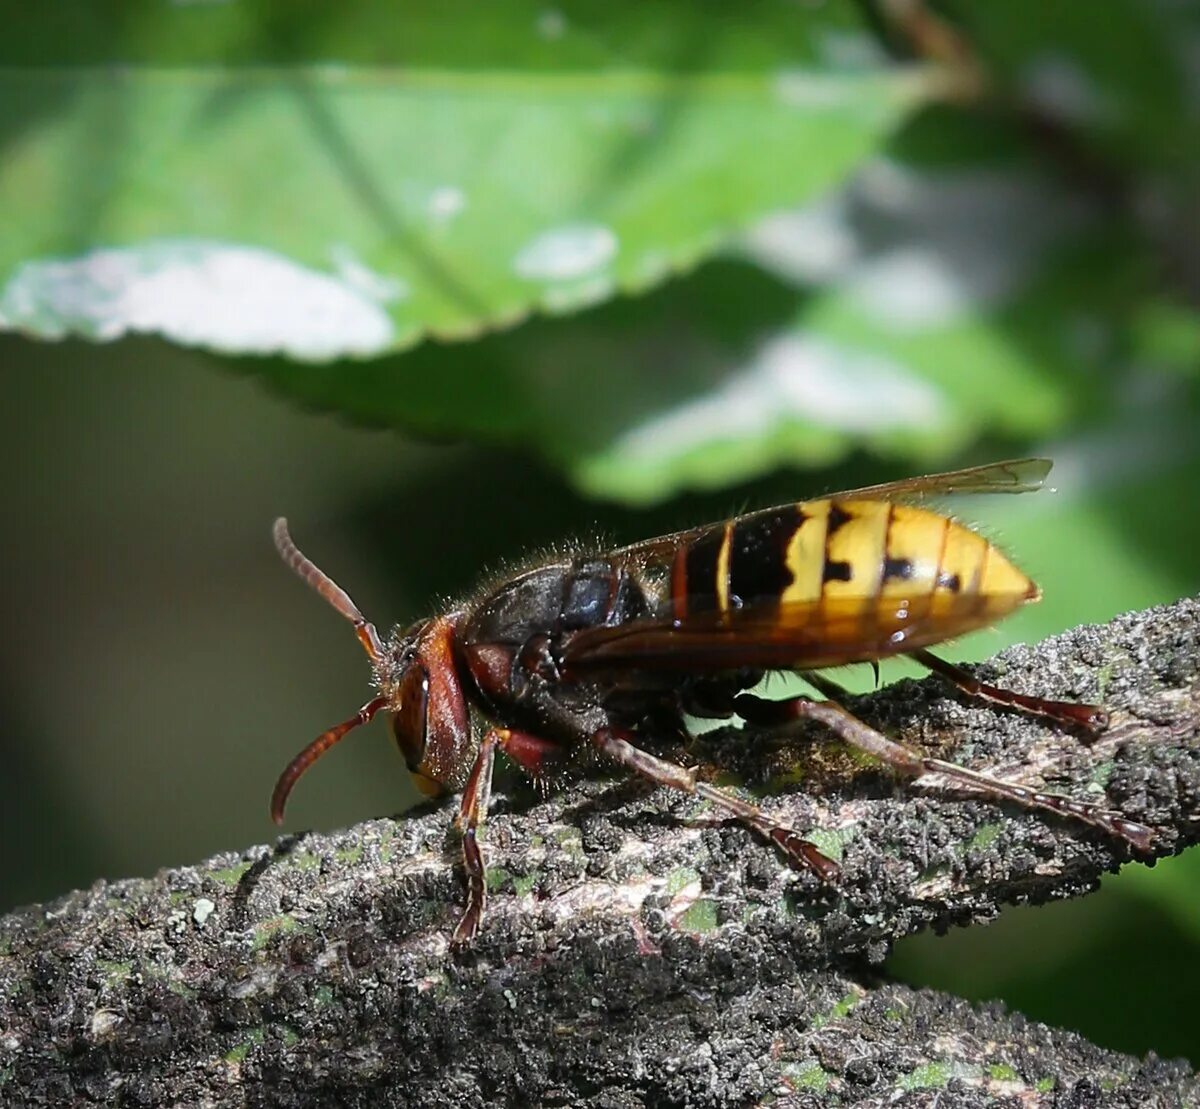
<point x="434" y="190"/>
<point x="668" y="256"/>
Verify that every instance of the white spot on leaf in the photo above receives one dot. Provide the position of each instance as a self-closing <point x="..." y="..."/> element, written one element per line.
<point x="802" y="88"/>
<point x="806" y="245"/>
<point x="579" y="294"/>
<point x="794" y="378"/>
<point x="224" y="296"/>
<point x="566" y="252"/>
<point x="920" y="249"/>
<point x="551" y="24"/>
<point x="358" y="275"/>
<point x="446" y="202"/>
<point x="912" y="288"/>
<point x="379" y="287"/>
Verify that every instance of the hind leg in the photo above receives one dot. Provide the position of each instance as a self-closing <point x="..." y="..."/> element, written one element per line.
<point x="1092" y="718"/>
<point x="902" y="760"/>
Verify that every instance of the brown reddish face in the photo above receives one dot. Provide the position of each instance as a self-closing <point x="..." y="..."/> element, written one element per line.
<point x="419" y="689"/>
<point x="407" y="722"/>
<point x="429" y="718"/>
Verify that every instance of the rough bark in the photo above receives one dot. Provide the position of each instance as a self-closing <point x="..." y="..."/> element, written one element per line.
<point x="637" y="950"/>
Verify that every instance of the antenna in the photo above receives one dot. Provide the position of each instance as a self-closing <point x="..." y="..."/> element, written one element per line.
<point x="312" y="575"/>
<point x="318" y="747"/>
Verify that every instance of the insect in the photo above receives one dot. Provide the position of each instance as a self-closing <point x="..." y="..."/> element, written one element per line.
<point x="608" y="650"/>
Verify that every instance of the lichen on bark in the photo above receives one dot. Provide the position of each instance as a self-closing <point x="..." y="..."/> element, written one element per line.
<point x="638" y="950"/>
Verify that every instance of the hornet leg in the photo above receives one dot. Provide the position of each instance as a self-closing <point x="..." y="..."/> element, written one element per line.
<point x="1089" y="717"/>
<point x="533" y="755"/>
<point x="615" y="743"/>
<point x="909" y="763"/>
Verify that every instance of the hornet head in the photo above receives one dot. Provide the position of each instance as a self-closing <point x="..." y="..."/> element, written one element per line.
<point x="418" y="687"/>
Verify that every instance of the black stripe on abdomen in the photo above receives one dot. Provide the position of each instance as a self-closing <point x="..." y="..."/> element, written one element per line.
<point x="758" y="566"/>
<point x="703" y="555"/>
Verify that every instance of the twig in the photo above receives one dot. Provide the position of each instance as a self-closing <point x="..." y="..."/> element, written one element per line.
<point x="637" y="950"/>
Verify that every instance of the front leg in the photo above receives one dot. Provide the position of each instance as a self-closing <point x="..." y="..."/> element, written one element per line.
<point x="472" y="812"/>
<point x="536" y="757"/>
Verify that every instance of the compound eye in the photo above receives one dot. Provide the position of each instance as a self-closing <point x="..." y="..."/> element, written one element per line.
<point x="408" y="721"/>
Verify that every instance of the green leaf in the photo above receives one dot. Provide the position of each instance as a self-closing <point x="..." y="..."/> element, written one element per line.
<point x="934" y="308"/>
<point x="1166" y="336"/>
<point x="520" y="35"/>
<point x="911" y="315"/>
<point x="330" y="210"/>
<point x="1171" y="886"/>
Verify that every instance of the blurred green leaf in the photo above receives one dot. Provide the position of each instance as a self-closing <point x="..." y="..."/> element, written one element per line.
<point x="1166" y="336"/>
<point x="911" y="314"/>
<point x="325" y="210"/>
<point x="521" y="34"/>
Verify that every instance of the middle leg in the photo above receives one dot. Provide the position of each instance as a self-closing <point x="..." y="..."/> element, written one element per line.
<point x="616" y="744"/>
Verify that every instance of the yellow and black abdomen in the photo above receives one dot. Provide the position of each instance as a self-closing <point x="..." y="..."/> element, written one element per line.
<point x="847" y="579"/>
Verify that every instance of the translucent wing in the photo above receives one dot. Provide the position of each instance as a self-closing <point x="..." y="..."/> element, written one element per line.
<point x="1018" y="475"/>
<point x="661" y="549"/>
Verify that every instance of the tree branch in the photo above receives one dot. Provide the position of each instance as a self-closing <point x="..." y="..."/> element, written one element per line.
<point x="637" y="950"/>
